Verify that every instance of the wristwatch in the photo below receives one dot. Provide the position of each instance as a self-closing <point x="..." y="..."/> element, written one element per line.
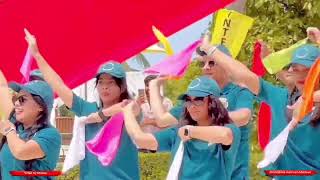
<point x="187" y="131"/>
<point x="8" y="130"/>
<point x="102" y="116"/>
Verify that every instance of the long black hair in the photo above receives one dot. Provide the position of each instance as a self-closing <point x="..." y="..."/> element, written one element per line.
<point x="121" y="83"/>
<point x="41" y="123"/>
<point x="217" y="112"/>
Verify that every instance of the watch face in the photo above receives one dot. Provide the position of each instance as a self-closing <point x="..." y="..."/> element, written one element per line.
<point x="186" y="132"/>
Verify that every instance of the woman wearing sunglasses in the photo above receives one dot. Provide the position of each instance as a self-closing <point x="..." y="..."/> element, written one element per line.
<point x="30" y="143"/>
<point x="205" y="121"/>
<point x="112" y="90"/>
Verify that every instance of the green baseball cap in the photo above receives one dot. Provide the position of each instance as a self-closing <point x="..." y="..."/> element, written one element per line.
<point x="201" y="87"/>
<point x="36" y="87"/>
<point x="112" y="68"/>
<point x="305" y="55"/>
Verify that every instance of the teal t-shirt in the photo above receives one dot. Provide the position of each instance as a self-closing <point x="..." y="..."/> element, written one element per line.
<point x="301" y="152"/>
<point x="237" y="98"/>
<point x="201" y="161"/>
<point x="302" y="149"/>
<point x="277" y="99"/>
<point x="49" y="140"/>
<point x="125" y="165"/>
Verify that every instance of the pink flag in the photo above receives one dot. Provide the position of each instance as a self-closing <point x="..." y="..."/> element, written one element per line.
<point x="25" y="68"/>
<point x="106" y="143"/>
<point x="175" y="65"/>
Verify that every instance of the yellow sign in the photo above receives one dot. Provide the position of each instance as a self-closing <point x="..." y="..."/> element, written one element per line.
<point x="230" y="29"/>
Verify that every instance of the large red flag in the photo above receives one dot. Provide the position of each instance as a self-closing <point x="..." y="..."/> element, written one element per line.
<point x="76" y="36"/>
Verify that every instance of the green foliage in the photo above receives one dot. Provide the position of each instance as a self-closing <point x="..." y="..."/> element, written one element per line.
<point x="154" y="166"/>
<point x="72" y="174"/>
<point x="279" y="23"/>
<point x="65" y="112"/>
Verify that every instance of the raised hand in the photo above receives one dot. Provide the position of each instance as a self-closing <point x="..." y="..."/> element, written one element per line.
<point x="314" y="34"/>
<point x="32" y="43"/>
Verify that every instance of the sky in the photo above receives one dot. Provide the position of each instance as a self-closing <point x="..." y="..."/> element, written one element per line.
<point x="178" y="41"/>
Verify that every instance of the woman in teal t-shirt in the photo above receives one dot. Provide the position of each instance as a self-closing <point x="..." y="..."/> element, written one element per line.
<point x="30" y="143"/>
<point x="210" y="140"/>
<point x="111" y="87"/>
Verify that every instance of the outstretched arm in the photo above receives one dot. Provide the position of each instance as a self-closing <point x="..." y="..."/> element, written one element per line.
<point x="50" y="76"/>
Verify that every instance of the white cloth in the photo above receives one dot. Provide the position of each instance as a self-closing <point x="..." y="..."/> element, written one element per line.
<point x="174" y="170"/>
<point x="76" y="151"/>
<point x="275" y="147"/>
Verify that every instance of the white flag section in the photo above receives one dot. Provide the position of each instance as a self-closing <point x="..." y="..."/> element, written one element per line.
<point x="275" y="147"/>
<point x="76" y="151"/>
<point x="173" y="173"/>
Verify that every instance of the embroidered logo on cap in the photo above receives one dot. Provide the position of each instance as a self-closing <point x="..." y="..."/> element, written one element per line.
<point x="195" y="83"/>
<point x="108" y="67"/>
<point x="303" y="53"/>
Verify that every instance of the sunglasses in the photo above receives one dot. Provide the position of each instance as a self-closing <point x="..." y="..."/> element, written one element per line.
<point x="22" y="99"/>
<point x="200" y="52"/>
<point x="198" y="101"/>
<point x="211" y="64"/>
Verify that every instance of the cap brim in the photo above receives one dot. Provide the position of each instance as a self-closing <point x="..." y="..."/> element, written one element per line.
<point x="194" y="94"/>
<point x="15" y="86"/>
<point x="306" y="63"/>
<point x="111" y="74"/>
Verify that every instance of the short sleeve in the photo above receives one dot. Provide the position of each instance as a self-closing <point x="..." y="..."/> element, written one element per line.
<point x="268" y="92"/>
<point x="244" y="99"/>
<point x="81" y="107"/>
<point x="49" y="140"/>
<point x="166" y="138"/>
